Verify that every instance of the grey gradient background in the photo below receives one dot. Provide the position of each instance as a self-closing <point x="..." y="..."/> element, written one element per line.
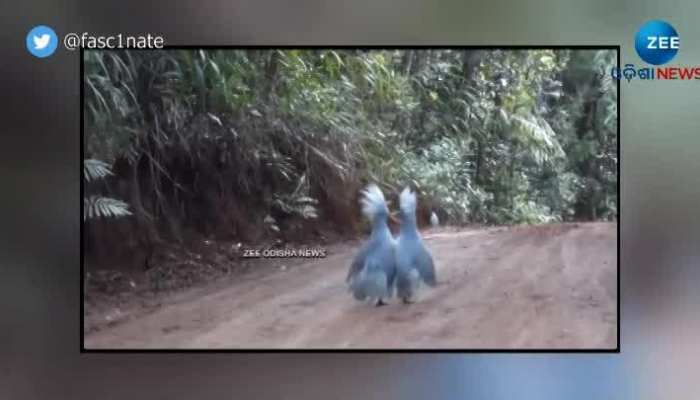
<point x="40" y="176"/>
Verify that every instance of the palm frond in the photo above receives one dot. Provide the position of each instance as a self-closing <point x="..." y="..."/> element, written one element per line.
<point x="95" y="169"/>
<point x="104" y="207"/>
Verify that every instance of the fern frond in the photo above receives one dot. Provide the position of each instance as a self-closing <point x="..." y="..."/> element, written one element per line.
<point x="95" y="169"/>
<point x="102" y="207"/>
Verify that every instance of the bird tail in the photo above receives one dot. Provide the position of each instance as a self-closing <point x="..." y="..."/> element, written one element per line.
<point x="407" y="284"/>
<point x="373" y="202"/>
<point x="370" y="284"/>
<point x="407" y="201"/>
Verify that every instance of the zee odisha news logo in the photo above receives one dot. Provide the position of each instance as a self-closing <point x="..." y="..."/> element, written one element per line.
<point x="657" y="42"/>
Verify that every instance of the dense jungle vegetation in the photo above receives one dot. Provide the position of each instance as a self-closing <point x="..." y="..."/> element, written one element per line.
<point x="249" y="144"/>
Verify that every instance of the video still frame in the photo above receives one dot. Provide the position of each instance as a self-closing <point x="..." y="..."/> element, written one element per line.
<point x="335" y="199"/>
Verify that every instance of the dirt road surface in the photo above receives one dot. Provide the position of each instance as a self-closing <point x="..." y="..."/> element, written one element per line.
<point x="548" y="287"/>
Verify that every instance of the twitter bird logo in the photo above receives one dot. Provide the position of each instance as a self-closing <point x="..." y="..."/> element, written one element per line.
<point x="42" y="41"/>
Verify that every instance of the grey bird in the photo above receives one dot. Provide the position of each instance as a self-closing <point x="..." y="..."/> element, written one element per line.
<point x="434" y="221"/>
<point x="373" y="271"/>
<point x="414" y="263"/>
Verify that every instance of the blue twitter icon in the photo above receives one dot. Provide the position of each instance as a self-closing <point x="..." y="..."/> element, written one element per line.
<point x="42" y="41"/>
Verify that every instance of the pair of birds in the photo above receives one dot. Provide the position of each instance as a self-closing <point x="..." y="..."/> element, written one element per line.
<point x="386" y="264"/>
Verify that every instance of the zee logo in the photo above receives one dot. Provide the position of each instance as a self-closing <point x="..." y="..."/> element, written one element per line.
<point x="663" y="42"/>
<point x="657" y="42"/>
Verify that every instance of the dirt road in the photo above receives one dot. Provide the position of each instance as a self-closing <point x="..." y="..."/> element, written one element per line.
<point x="530" y="287"/>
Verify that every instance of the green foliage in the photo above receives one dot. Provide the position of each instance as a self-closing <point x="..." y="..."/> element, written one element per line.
<point x="526" y="136"/>
<point x="298" y="202"/>
<point x="95" y="169"/>
<point x="442" y="171"/>
<point x="100" y="206"/>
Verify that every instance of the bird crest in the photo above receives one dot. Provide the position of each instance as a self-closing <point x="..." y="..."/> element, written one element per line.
<point x="407" y="201"/>
<point x="373" y="202"/>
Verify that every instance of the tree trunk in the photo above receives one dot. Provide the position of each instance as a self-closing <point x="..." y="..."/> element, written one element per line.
<point x="148" y="232"/>
<point x="271" y="75"/>
<point x="470" y="60"/>
<point x="407" y="62"/>
<point x="479" y="156"/>
<point x="420" y="58"/>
